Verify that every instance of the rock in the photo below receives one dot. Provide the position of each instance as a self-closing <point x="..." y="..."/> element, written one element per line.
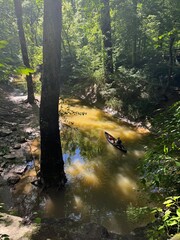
<point x="12" y="179"/>
<point x="29" y="130"/>
<point x="17" y="146"/>
<point x="11" y="225"/>
<point x="20" y="169"/>
<point x="14" y="129"/>
<point x="22" y="140"/>
<point x="3" y="164"/>
<point x="5" y="132"/>
<point x="1" y="154"/>
<point x="9" y="156"/>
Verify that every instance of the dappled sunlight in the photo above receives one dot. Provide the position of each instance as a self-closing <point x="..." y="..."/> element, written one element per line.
<point x="78" y="202"/>
<point x="142" y="130"/>
<point x="50" y="207"/>
<point x="126" y="186"/>
<point x="24" y="186"/>
<point x="85" y="171"/>
<point x="96" y="119"/>
<point x="137" y="153"/>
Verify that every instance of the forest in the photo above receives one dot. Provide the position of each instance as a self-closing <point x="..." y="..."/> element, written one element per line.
<point x="70" y="71"/>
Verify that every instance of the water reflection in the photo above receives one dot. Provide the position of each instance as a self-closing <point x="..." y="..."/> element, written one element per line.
<point x="102" y="180"/>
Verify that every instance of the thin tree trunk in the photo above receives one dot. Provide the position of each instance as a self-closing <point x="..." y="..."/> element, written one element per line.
<point x="107" y="41"/>
<point x="171" y="60"/>
<point x="22" y="39"/>
<point x="52" y="165"/>
<point x="134" y="32"/>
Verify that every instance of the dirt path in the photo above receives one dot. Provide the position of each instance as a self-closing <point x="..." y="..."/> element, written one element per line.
<point x="18" y="123"/>
<point x="18" y="128"/>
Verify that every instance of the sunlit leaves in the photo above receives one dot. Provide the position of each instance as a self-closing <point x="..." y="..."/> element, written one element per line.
<point x="24" y="70"/>
<point x="3" y="44"/>
<point x="161" y="165"/>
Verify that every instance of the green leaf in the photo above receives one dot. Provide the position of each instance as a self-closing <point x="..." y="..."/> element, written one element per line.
<point x="23" y="70"/>
<point x="166" y="215"/>
<point x="168" y="201"/>
<point x="3" y="43"/>
<point x="166" y="150"/>
<point x="161" y="227"/>
<point x="178" y="212"/>
<point x="37" y="220"/>
<point x="1" y="65"/>
<point x="171" y="222"/>
<point x="177" y="164"/>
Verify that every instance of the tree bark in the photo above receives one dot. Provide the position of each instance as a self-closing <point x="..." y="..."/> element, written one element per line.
<point x="52" y="165"/>
<point x="134" y="34"/>
<point x="107" y="41"/>
<point x="22" y="39"/>
<point x="171" y="57"/>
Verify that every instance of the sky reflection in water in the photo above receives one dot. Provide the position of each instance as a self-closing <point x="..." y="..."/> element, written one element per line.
<point x="104" y="179"/>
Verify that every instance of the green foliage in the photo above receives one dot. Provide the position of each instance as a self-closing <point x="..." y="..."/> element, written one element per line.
<point x="167" y="221"/>
<point x="37" y="220"/>
<point x="135" y="214"/>
<point x="161" y="166"/>
<point x="24" y="70"/>
<point x="129" y="93"/>
<point x="3" y="44"/>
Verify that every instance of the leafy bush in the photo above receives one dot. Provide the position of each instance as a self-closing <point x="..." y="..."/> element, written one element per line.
<point x="128" y="93"/>
<point x="161" y="164"/>
<point x="167" y="221"/>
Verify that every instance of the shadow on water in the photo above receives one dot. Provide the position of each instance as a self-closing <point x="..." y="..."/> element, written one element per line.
<point x="102" y="180"/>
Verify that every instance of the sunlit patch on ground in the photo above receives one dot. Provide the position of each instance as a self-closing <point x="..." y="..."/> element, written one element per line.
<point x="25" y="186"/>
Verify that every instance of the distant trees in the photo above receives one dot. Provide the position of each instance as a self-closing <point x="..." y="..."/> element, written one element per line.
<point x="52" y="165"/>
<point x="22" y="39"/>
<point x="102" y="39"/>
<point x="107" y="41"/>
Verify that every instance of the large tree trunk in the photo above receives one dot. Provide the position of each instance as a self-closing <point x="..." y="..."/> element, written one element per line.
<point x="107" y="41"/>
<point x="52" y="165"/>
<point x="22" y="39"/>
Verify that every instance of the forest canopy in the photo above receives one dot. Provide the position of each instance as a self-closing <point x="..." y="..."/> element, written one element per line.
<point x="133" y="46"/>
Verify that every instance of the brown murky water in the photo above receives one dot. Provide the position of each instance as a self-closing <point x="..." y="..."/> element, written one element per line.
<point x="102" y="180"/>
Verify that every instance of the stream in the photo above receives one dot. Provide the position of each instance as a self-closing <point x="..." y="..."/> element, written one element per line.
<point x="103" y="183"/>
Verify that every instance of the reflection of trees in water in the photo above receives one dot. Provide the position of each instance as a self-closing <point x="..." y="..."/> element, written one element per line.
<point x="83" y="199"/>
<point x="98" y="205"/>
<point x="89" y="143"/>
